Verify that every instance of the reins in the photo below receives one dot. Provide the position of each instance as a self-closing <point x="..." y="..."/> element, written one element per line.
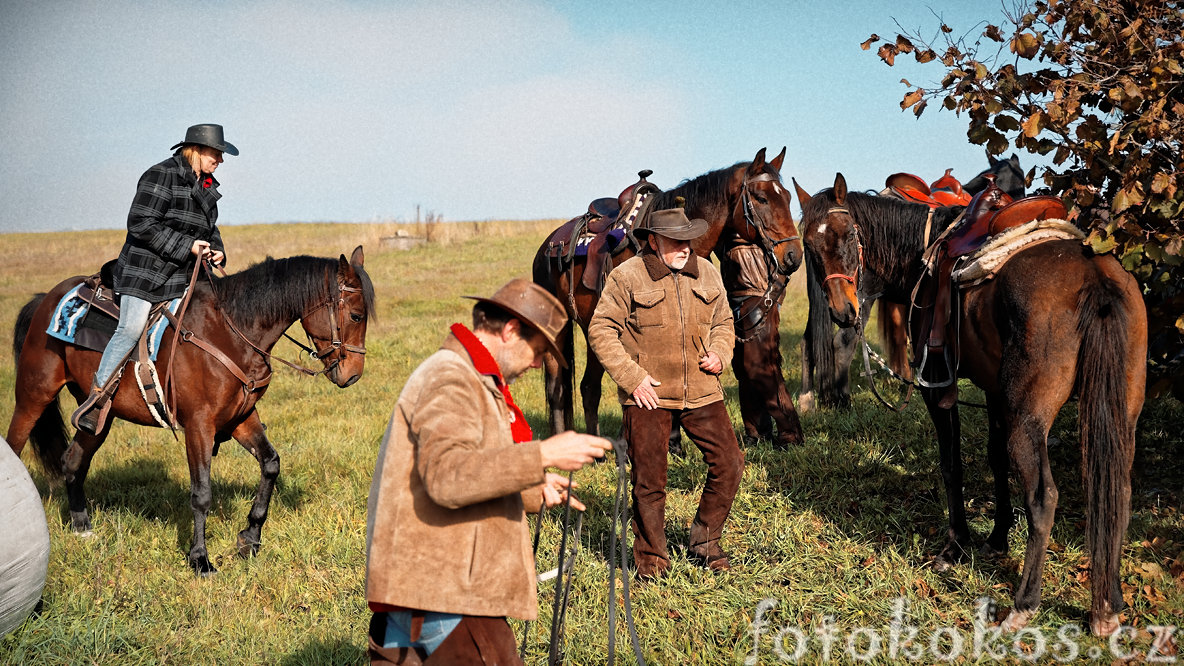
<point x="338" y="309"/>
<point x="564" y="572"/>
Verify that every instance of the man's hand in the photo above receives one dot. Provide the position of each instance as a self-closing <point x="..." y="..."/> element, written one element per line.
<point x="556" y="490"/>
<point x="645" y="395"/>
<point x="711" y="363"/>
<point x="569" y="451"/>
<point x="217" y="258"/>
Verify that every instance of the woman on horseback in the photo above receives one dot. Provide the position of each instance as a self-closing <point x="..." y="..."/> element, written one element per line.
<point x="171" y="224"/>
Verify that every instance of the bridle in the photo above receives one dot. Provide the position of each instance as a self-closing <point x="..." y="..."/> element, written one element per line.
<point x="337" y="314"/>
<point x="853" y="279"/>
<point x="769" y="245"/>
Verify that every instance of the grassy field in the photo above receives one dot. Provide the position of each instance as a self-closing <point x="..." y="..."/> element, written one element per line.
<point x="840" y="531"/>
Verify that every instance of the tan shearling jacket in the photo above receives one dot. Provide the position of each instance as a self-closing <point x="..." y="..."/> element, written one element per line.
<point x="446" y="527"/>
<point x="651" y="320"/>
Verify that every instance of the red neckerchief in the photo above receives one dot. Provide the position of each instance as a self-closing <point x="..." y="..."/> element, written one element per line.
<point x="484" y="363"/>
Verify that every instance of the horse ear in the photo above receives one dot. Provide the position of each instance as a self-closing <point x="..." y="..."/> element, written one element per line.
<point x="840" y="189"/>
<point x="803" y="196"/>
<point x="776" y="163"/>
<point x="758" y="163"/>
<point x="358" y="258"/>
<point x="991" y="159"/>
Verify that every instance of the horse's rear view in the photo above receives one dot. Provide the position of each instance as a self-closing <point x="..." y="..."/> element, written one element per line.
<point x="1044" y="320"/>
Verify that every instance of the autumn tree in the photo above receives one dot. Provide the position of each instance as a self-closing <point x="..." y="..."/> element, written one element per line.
<point x="1098" y="87"/>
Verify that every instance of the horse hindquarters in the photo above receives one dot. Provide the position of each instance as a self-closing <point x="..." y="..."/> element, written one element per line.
<point x="1111" y="373"/>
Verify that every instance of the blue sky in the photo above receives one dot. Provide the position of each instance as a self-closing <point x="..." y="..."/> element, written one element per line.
<point x="362" y="111"/>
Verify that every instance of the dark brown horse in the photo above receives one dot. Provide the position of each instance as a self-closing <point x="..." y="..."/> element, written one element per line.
<point x="827" y="352"/>
<point x="743" y="203"/>
<point x="1055" y="321"/>
<point x="241" y="317"/>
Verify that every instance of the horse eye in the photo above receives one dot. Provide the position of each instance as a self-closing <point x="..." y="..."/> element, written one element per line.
<point x="355" y="317"/>
<point x="760" y="198"/>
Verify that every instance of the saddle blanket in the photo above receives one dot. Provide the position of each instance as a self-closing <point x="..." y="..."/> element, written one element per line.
<point x="611" y="241"/>
<point x="67" y="321"/>
<point x="986" y="262"/>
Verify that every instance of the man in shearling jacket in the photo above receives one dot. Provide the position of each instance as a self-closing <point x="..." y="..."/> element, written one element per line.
<point x="447" y="546"/>
<point x="664" y="333"/>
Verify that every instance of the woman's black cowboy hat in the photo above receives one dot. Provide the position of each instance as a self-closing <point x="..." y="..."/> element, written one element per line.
<point x="208" y="135"/>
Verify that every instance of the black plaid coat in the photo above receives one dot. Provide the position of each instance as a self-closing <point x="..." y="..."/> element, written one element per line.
<point x="171" y="209"/>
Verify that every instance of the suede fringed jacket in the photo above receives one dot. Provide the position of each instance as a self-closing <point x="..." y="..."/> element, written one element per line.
<point x="446" y="523"/>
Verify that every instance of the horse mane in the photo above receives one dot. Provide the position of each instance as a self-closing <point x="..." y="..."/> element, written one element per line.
<point x="276" y="289"/>
<point x="709" y="189"/>
<point x="891" y="229"/>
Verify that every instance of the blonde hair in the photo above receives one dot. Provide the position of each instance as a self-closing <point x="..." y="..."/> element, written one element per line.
<point x="192" y="153"/>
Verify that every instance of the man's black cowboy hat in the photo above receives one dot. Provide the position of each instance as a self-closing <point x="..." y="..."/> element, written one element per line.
<point x="208" y="135"/>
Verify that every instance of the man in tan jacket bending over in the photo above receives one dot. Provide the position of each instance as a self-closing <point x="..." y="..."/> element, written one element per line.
<point x="448" y="554"/>
<point x="664" y="333"/>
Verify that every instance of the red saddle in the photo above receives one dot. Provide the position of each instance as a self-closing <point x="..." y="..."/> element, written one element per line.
<point x="945" y="191"/>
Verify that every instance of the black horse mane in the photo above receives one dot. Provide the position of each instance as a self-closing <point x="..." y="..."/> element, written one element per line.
<point x="891" y="229"/>
<point x="276" y="289"/>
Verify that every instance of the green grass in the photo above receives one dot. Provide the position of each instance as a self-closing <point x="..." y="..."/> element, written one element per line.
<point x="841" y="527"/>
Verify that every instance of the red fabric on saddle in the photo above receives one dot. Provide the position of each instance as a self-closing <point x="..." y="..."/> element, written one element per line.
<point x="1028" y="209"/>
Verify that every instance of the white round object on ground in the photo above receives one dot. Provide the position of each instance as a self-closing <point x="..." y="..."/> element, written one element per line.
<point x="24" y="542"/>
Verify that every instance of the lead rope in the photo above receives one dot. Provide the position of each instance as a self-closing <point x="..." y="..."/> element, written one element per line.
<point x="620" y="515"/>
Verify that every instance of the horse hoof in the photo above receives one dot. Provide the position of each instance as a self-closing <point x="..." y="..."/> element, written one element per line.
<point x="247" y="548"/>
<point x="990" y="552"/>
<point x="84" y="534"/>
<point x="940" y="565"/>
<point x="1105" y="625"/>
<point x="202" y="567"/>
<point x="1017" y="620"/>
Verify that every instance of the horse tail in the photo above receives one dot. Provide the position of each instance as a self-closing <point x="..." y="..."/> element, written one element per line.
<point x="48" y="435"/>
<point x="1107" y="431"/>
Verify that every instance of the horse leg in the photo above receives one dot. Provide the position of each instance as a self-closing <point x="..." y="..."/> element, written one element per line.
<point x="1027" y="446"/>
<point x="199" y="449"/>
<point x="806" y="396"/>
<point x="950" y="451"/>
<point x="845" y="341"/>
<point x="75" y="465"/>
<point x="252" y="436"/>
<point x="590" y="392"/>
<point x="1000" y="464"/>
<point x="758" y="424"/>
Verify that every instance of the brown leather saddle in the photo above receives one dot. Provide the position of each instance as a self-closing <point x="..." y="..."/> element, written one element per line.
<point x="989" y="213"/>
<point x="604" y="230"/>
<point x="945" y="191"/>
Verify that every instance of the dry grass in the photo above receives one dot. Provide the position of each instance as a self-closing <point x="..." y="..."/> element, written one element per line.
<point x="841" y="527"/>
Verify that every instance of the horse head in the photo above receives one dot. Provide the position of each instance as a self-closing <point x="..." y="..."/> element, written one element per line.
<point x="832" y="240"/>
<point x="1009" y="177"/>
<point x="761" y="213"/>
<point x="339" y="332"/>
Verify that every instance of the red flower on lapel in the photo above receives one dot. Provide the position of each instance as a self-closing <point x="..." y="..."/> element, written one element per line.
<point x="207" y="182"/>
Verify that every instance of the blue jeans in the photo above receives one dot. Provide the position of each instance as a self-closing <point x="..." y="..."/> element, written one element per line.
<point x="133" y="319"/>
<point x="436" y="627"/>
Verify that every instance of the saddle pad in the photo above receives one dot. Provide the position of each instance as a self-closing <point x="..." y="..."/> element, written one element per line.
<point x="68" y="316"/>
<point x="984" y="263"/>
<point x="611" y="241"/>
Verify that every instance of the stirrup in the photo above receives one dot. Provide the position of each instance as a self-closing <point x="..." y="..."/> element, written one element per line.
<point x="91" y="415"/>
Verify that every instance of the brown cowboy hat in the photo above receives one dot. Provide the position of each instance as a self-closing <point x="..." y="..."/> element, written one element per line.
<point x="209" y="135"/>
<point x="672" y="223"/>
<point x="533" y="306"/>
